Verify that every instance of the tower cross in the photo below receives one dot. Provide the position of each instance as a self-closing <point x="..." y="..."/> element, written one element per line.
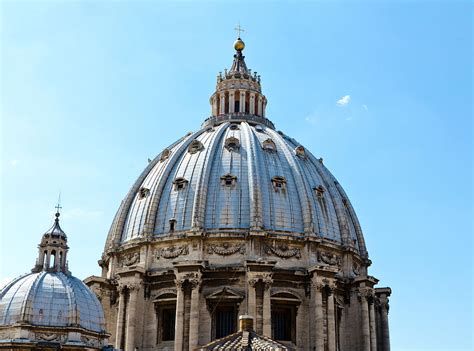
<point x="239" y="29"/>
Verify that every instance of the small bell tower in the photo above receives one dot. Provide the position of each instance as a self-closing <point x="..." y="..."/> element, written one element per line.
<point x="52" y="250"/>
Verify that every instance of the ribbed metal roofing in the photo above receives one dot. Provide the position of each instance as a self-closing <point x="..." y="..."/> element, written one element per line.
<point x="235" y="177"/>
<point x="52" y="300"/>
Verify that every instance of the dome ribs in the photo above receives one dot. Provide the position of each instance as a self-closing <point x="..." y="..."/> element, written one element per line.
<point x="156" y="192"/>
<point x="301" y="186"/>
<point x="199" y="206"/>
<point x="255" y="196"/>
<point x="336" y="200"/>
<point x="116" y="231"/>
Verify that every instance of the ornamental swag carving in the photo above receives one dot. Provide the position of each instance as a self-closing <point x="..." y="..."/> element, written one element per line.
<point x="283" y="251"/>
<point x="172" y="251"/>
<point x="330" y="258"/>
<point x="50" y="337"/>
<point x="130" y="259"/>
<point x="226" y="249"/>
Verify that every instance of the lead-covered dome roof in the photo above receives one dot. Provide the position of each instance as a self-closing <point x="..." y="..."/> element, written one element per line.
<point x="237" y="174"/>
<point x="50" y="299"/>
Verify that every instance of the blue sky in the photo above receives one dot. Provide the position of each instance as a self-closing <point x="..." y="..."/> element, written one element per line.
<point x="91" y="90"/>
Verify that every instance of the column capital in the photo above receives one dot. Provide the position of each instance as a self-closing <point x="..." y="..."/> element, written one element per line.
<point x="366" y="292"/>
<point x="194" y="278"/>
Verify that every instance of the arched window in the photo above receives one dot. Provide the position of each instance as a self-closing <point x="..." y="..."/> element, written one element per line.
<point x="143" y="192"/>
<point x="172" y="222"/>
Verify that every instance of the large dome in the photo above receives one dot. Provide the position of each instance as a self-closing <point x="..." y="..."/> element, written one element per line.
<point x="51" y="299"/>
<point x="239" y="219"/>
<point x="234" y="176"/>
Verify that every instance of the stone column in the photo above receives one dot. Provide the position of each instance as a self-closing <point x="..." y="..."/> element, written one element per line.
<point x="331" y="321"/>
<point x="252" y="300"/>
<point x="259" y="106"/>
<point x="252" y="104"/>
<point x="120" y="317"/>
<point x="264" y="107"/>
<point x="194" y="315"/>
<point x="242" y="101"/>
<point x="384" y="318"/>
<point x="131" y="318"/>
<point x="267" y="305"/>
<point x="317" y="293"/>
<point x="179" y="320"/>
<point x="48" y="258"/>
<point x="364" y="293"/>
<point x="232" y="101"/>
<point x="222" y="104"/>
<point x="373" y="335"/>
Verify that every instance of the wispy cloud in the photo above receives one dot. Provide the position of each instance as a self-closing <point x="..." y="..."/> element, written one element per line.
<point x="312" y="118"/>
<point x="343" y="101"/>
<point x="365" y="107"/>
<point x="14" y="163"/>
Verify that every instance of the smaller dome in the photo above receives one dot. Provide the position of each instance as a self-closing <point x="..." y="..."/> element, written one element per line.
<point x="51" y="299"/>
<point x="239" y="45"/>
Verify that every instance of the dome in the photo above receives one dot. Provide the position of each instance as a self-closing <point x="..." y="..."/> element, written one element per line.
<point x="234" y="177"/>
<point x="50" y="299"/>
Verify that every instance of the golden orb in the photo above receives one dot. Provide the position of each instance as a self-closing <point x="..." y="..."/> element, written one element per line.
<point x="239" y="45"/>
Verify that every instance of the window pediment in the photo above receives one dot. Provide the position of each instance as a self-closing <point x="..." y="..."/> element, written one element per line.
<point x="269" y="145"/>
<point x="232" y="144"/>
<point x="195" y="147"/>
<point x="279" y="183"/>
<point x="180" y="183"/>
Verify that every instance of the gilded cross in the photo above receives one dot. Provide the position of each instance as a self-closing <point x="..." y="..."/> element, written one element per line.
<point x="239" y="29"/>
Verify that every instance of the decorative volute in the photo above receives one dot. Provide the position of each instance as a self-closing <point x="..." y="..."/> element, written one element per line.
<point x="52" y="250"/>
<point x="238" y="92"/>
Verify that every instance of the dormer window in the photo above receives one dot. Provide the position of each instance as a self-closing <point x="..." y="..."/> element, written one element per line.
<point x="195" y="146"/>
<point x="228" y="180"/>
<point x="279" y="183"/>
<point x="319" y="190"/>
<point x="269" y="145"/>
<point x="143" y="192"/>
<point x="234" y="126"/>
<point x="259" y="128"/>
<point x="180" y="183"/>
<point x="300" y="151"/>
<point x="172" y="222"/>
<point x="232" y="144"/>
<point x="165" y="154"/>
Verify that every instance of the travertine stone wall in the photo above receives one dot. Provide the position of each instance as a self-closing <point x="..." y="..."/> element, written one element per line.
<point x="336" y="305"/>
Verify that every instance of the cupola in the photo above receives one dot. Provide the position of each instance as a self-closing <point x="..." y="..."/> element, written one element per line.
<point x="52" y="250"/>
<point x="238" y="94"/>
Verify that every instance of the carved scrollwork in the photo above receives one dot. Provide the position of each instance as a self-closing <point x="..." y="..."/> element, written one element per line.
<point x="88" y="341"/>
<point x="226" y="249"/>
<point x="130" y="259"/>
<point x="283" y="251"/>
<point x="172" y="251"/>
<point x="355" y="269"/>
<point x="330" y="258"/>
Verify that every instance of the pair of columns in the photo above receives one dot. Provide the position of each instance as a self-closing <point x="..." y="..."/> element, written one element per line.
<point x="231" y="97"/>
<point x="126" y="316"/>
<point x="319" y="287"/>
<point x="194" y="280"/>
<point x="267" y="281"/>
